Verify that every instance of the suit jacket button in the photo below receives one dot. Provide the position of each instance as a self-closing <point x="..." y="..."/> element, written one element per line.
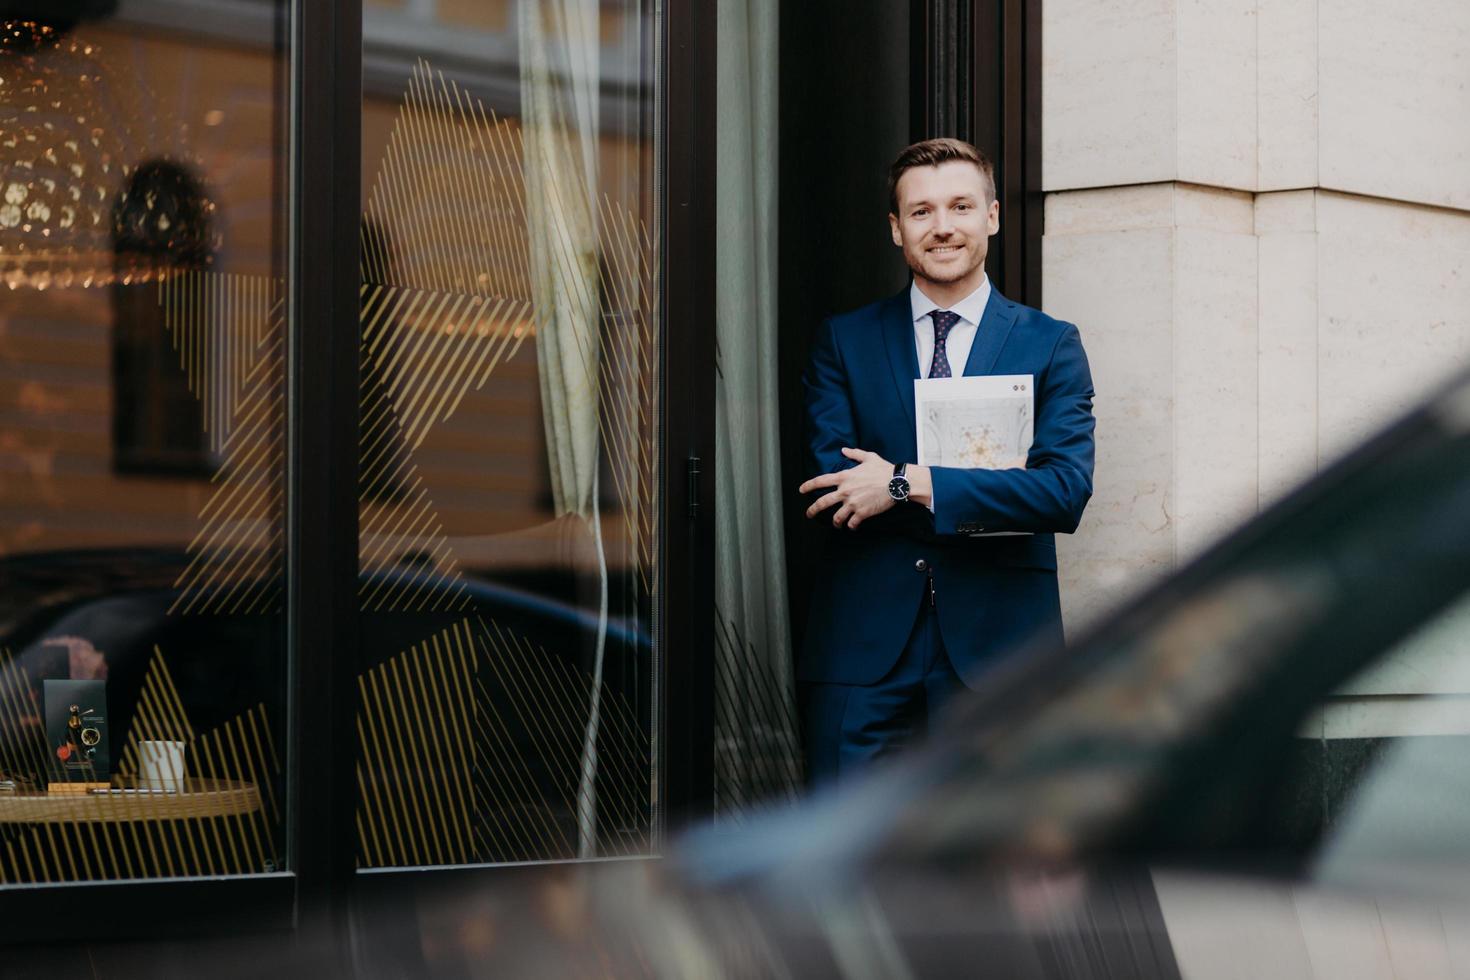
<point x="921" y="565"/>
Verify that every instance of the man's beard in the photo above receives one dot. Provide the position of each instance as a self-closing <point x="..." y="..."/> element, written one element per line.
<point x="943" y="277"/>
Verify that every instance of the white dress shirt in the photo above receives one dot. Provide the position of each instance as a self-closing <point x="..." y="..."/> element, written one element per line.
<point x="961" y="336"/>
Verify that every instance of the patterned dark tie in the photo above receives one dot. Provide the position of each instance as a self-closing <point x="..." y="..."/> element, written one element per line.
<point x="943" y="321"/>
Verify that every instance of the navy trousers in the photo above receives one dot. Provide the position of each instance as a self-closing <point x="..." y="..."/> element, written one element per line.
<point x="848" y="726"/>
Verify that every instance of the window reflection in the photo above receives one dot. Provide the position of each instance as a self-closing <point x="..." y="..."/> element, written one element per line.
<point x="142" y="422"/>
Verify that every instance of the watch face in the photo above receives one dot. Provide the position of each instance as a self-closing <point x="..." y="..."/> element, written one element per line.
<point x="898" y="488"/>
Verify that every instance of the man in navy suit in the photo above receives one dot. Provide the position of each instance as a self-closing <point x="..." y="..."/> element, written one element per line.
<point x="915" y="594"/>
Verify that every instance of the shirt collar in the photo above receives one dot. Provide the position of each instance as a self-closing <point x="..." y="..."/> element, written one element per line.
<point x="970" y="309"/>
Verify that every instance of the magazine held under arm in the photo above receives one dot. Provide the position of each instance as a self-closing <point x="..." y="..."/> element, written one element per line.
<point x="975" y="422"/>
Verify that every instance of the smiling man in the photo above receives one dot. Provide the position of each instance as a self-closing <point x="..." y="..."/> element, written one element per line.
<point x="916" y="593"/>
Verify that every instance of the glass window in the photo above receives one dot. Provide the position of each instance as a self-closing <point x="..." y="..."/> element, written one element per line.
<point x="142" y="434"/>
<point x="1393" y="752"/>
<point x="509" y="417"/>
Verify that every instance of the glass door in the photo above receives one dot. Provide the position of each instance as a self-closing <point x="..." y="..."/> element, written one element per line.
<point x="509" y="378"/>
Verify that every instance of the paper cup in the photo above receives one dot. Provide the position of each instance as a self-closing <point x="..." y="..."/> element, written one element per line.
<point x="161" y="765"/>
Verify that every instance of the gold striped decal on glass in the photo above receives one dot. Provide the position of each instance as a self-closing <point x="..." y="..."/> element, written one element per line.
<point x="421" y="353"/>
<point x="542" y="704"/>
<point x="451" y="189"/>
<point x="470" y="747"/>
<point x="236" y="325"/>
<point x="115" y="838"/>
<point x="629" y="405"/>
<point x="446" y="296"/>
<point x="221" y="325"/>
<point x="433" y="348"/>
<point x="417" y="756"/>
<point x="445" y="299"/>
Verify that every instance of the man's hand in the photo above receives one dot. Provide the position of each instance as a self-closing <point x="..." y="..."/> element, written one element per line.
<point x="861" y="491"/>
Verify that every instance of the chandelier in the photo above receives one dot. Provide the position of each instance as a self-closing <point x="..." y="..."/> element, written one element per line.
<point x="74" y="211"/>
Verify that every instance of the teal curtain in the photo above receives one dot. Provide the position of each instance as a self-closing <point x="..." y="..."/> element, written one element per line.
<point x="757" y="750"/>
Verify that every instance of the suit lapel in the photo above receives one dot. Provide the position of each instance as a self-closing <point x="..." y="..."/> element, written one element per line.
<point x="903" y="355"/>
<point x="990" y="337"/>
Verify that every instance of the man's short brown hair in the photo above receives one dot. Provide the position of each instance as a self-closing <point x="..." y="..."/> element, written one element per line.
<point x="931" y="153"/>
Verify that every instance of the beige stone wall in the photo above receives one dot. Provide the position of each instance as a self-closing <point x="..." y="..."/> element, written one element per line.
<point x="1258" y="212"/>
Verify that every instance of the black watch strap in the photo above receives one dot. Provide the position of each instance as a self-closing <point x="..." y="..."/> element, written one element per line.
<point x="898" y="487"/>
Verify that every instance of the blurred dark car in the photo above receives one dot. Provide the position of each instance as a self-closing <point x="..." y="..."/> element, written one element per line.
<point x="1260" y="768"/>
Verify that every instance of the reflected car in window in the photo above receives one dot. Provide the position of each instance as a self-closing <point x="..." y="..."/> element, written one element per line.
<point x="114" y="615"/>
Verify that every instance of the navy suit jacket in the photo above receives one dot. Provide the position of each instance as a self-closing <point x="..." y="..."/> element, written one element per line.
<point x="993" y="593"/>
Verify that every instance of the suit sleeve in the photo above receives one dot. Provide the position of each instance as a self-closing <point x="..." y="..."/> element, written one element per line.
<point x="1050" y="493"/>
<point x="829" y="415"/>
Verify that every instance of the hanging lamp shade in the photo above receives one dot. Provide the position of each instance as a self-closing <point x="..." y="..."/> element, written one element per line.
<point x="70" y="212"/>
<point x="161" y="222"/>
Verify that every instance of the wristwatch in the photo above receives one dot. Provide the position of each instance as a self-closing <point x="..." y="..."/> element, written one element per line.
<point x="898" y="487"/>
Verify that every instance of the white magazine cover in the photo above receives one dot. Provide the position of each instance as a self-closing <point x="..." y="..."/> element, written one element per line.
<point x="977" y="422"/>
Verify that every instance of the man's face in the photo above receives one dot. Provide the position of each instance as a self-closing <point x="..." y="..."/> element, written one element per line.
<point x="944" y="222"/>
